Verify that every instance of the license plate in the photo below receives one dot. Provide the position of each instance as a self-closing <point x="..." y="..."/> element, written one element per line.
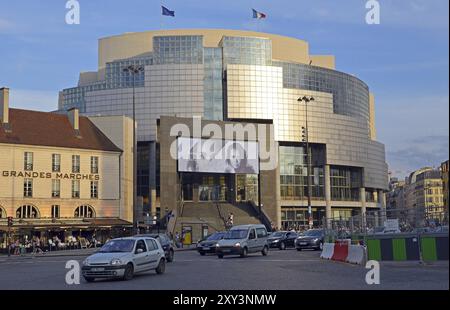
<point x="206" y="249"/>
<point x="226" y="251"/>
<point x="303" y="243"/>
<point x="97" y="269"/>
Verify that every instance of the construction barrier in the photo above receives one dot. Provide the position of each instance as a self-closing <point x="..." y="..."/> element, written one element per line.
<point x="408" y="247"/>
<point x="327" y="250"/>
<point x="340" y="251"/>
<point x="356" y="254"/>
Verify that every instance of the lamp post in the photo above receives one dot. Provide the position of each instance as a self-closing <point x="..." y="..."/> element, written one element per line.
<point x="305" y="138"/>
<point x="134" y="70"/>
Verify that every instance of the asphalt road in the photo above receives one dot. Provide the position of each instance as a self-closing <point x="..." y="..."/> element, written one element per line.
<point x="280" y="270"/>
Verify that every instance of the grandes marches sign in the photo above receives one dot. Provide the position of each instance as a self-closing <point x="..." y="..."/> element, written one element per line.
<point x="50" y="175"/>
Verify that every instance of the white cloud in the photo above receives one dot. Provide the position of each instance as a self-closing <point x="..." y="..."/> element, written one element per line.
<point x="39" y="100"/>
<point x="5" y="25"/>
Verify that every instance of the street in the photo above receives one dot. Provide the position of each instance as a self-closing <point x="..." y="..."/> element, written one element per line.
<point x="280" y="270"/>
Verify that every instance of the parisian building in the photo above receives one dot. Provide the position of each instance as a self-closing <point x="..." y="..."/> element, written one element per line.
<point x="424" y="193"/>
<point x="64" y="175"/>
<point x="232" y="77"/>
<point x="444" y="173"/>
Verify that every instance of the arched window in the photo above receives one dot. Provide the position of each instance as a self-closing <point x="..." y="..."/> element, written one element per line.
<point x="85" y="211"/>
<point x="27" y="211"/>
<point x="2" y="213"/>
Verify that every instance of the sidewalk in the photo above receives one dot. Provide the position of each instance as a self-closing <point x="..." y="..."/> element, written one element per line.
<point x="62" y="253"/>
<point x="186" y="248"/>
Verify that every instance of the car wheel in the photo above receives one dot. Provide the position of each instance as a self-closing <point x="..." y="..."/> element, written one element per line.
<point x="128" y="274"/>
<point x="170" y="257"/>
<point x="161" y="266"/>
<point x="244" y="252"/>
<point x="299" y="249"/>
<point x="265" y="251"/>
<point x="202" y="253"/>
<point x="220" y="256"/>
<point x="282" y="246"/>
<point x="89" y="279"/>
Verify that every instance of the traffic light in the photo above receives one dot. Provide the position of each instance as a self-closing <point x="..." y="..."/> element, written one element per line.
<point x="10" y="221"/>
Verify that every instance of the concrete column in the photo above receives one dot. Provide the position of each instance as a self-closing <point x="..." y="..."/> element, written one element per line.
<point x="362" y="199"/>
<point x="382" y="203"/>
<point x="327" y="184"/>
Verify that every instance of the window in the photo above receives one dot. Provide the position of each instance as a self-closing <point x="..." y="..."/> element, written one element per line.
<point x="27" y="211"/>
<point x="94" y="189"/>
<point x="2" y="213"/>
<point x="75" y="189"/>
<point x="141" y="245"/>
<point x="56" y="162"/>
<point x="252" y="234"/>
<point x="94" y="164"/>
<point x="28" y="161"/>
<point x="55" y="211"/>
<point x="261" y="232"/>
<point x="151" y="245"/>
<point x="28" y="188"/>
<point x="84" y="211"/>
<point x="75" y="163"/>
<point x="56" y="191"/>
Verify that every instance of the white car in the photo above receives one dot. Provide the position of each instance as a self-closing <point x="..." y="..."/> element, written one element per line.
<point x="123" y="257"/>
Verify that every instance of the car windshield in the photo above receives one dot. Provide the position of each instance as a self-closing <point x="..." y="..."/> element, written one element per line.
<point x="236" y="234"/>
<point x="312" y="233"/>
<point x="277" y="234"/>
<point x="117" y="246"/>
<point x="215" y="236"/>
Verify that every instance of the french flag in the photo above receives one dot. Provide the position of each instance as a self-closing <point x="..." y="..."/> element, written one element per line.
<point x="258" y="15"/>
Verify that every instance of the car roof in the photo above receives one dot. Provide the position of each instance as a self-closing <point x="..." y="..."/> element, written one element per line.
<point x="248" y="226"/>
<point x="133" y="238"/>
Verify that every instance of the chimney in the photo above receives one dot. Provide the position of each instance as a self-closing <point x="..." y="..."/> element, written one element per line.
<point x="4" y="105"/>
<point x="74" y="118"/>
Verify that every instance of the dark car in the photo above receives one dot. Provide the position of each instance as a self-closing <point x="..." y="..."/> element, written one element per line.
<point x="166" y="244"/>
<point x="311" y="239"/>
<point x="208" y="244"/>
<point x="282" y="239"/>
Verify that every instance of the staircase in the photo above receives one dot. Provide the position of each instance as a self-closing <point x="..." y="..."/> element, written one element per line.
<point x="214" y="215"/>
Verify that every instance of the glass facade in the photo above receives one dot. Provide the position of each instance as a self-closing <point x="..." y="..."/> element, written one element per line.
<point x="350" y="95"/>
<point x="237" y="77"/>
<point x="345" y="183"/>
<point x="178" y="49"/>
<point x="293" y="173"/>
<point x="247" y="50"/>
<point x="213" y="100"/>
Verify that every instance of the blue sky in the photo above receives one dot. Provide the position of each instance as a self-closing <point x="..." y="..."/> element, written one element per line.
<point x="404" y="60"/>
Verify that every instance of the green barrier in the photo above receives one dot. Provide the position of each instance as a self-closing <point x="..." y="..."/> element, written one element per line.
<point x="399" y="249"/>
<point x="374" y="249"/>
<point x="428" y="246"/>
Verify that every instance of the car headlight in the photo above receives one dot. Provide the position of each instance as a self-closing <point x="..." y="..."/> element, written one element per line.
<point x="217" y="245"/>
<point x="276" y="240"/>
<point x="86" y="262"/>
<point x="237" y="244"/>
<point x="116" y="261"/>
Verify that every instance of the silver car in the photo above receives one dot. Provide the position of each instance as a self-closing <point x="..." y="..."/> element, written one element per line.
<point x="242" y="240"/>
<point x="123" y="257"/>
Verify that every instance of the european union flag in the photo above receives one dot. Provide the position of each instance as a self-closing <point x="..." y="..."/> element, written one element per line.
<point x="167" y="12"/>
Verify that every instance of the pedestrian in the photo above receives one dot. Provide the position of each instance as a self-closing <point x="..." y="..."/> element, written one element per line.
<point x="177" y="239"/>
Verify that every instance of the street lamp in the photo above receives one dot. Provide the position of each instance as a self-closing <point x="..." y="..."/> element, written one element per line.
<point x="134" y="70"/>
<point x="305" y="138"/>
